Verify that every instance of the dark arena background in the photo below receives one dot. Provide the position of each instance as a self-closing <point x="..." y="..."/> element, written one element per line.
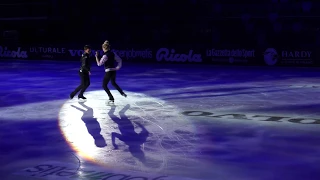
<point x="216" y="90"/>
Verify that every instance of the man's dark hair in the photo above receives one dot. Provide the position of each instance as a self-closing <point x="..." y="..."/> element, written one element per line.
<point x="86" y="47"/>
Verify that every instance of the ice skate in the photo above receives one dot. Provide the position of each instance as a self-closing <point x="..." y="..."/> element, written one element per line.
<point x="110" y="102"/>
<point x="71" y="96"/>
<point x="82" y="98"/>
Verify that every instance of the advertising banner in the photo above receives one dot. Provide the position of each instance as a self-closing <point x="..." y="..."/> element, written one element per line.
<point x="273" y="56"/>
<point x="237" y="56"/>
<point x="126" y="54"/>
<point x="178" y="55"/>
<point x="47" y="52"/>
<point x="69" y="52"/>
<point x="13" y="52"/>
<point x="290" y="57"/>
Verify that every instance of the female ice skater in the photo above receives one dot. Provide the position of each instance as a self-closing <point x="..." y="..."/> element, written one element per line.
<point x="109" y="60"/>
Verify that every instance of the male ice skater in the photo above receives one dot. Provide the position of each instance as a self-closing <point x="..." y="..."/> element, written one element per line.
<point x="84" y="74"/>
<point x="109" y="60"/>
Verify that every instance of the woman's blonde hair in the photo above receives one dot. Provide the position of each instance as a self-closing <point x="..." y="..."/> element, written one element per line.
<point x="105" y="46"/>
<point x="106" y="42"/>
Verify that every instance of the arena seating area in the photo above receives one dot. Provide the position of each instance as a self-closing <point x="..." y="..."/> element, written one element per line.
<point x="167" y="22"/>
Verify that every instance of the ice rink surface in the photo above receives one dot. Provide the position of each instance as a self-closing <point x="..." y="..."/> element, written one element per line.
<point x="179" y="122"/>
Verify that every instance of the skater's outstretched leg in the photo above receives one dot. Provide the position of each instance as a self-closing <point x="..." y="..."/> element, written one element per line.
<point x="82" y="84"/>
<point x="114" y="83"/>
<point x="85" y="85"/>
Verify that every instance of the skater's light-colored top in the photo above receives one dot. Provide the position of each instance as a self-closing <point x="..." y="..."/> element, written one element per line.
<point x="104" y="59"/>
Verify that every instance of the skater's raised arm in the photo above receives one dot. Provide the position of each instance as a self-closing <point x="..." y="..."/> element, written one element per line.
<point x="102" y="60"/>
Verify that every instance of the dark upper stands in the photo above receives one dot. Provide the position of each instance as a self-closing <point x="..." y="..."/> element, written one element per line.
<point x="159" y="22"/>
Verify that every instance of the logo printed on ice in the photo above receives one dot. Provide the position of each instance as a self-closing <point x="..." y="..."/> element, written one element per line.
<point x="60" y="170"/>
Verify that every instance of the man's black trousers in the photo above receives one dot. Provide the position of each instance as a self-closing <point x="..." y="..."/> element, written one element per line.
<point x="85" y="83"/>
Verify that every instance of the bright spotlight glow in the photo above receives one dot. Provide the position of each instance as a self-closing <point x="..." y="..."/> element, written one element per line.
<point x="138" y="125"/>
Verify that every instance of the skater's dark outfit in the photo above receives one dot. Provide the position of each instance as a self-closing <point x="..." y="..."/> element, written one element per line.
<point x="109" y="60"/>
<point x="84" y="74"/>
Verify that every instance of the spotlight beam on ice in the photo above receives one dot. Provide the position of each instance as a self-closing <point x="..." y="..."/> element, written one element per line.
<point x="129" y="134"/>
